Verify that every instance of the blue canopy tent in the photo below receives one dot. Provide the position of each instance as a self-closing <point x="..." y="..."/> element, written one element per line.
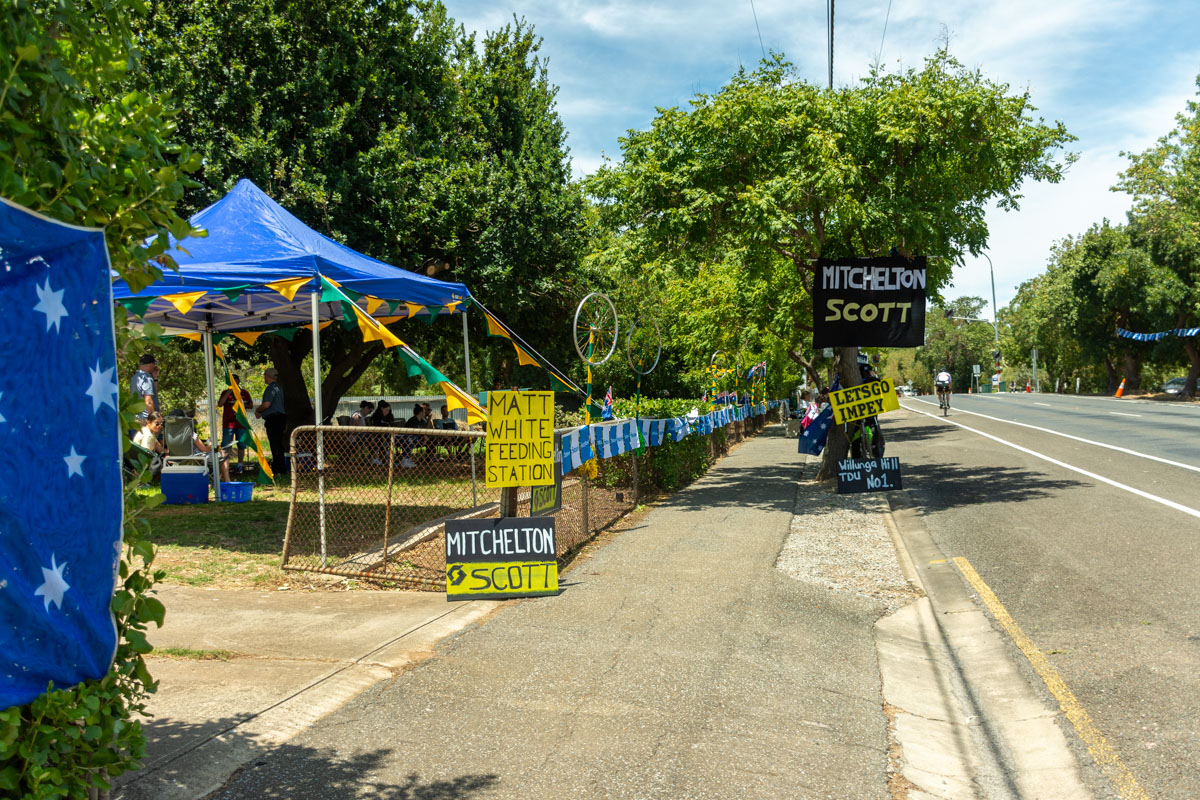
<point x="252" y="271"/>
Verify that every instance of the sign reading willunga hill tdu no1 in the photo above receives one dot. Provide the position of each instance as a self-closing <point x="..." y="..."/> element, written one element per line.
<point x="520" y="439"/>
<point x="869" y="302"/>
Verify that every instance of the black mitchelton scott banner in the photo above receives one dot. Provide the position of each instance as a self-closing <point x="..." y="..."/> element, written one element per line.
<point x="869" y="302"/>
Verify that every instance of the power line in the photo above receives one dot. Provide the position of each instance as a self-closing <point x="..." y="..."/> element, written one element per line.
<point x="760" y="41"/>
<point x="879" y="55"/>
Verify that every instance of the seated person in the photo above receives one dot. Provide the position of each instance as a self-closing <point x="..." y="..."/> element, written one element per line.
<point x="147" y="439"/>
<point x="419" y="419"/>
<point x="382" y="416"/>
<point x="363" y="414"/>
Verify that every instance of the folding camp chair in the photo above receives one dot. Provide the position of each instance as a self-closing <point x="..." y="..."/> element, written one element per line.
<point x="180" y="432"/>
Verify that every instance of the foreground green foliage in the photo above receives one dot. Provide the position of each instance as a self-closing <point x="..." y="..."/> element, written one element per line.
<point x="77" y="145"/>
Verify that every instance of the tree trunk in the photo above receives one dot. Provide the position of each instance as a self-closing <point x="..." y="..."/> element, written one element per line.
<point x="338" y="374"/>
<point x="1111" y="372"/>
<point x="1133" y="370"/>
<point x="1193" y="354"/>
<point x="837" y="446"/>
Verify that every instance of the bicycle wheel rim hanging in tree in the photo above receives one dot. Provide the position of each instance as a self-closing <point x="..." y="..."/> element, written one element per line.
<point x="643" y="338"/>
<point x="594" y="333"/>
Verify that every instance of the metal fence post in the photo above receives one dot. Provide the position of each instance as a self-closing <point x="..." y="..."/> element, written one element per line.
<point x="387" y="513"/>
<point x="583" y="482"/>
<point x="635" y="478"/>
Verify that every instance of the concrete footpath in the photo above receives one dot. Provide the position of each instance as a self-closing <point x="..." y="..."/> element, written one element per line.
<point x="679" y="662"/>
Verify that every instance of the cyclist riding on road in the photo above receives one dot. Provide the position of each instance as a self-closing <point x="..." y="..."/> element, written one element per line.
<point x="944" y="384"/>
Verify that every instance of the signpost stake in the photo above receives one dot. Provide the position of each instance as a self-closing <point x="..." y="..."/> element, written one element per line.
<point x="316" y="326"/>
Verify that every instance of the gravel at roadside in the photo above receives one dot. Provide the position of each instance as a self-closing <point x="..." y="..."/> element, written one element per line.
<point x="841" y="542"/>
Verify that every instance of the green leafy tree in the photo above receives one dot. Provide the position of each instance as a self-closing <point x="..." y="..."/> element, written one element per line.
<point x="78" y="146"/>
<point x="384" y="127"/>
<point x="779" y="172"/>
<point x="1096" y="282"/>
<point x="1166" y="219"/>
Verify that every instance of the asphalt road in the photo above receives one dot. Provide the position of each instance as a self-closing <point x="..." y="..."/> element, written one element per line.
<point x="1097" y="564"/>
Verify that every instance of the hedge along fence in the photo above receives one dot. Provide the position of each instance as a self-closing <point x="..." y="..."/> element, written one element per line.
<point x="378" y="509"/>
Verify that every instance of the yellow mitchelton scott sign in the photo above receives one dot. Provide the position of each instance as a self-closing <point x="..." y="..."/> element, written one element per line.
<point x="862" y="401"/>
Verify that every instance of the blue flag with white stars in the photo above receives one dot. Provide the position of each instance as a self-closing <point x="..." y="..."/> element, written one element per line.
<point x="60" y="478"/>
<point x="812" y="438"/>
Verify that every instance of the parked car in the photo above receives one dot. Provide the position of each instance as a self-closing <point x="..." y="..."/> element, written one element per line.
<point x="1174" y="386"/>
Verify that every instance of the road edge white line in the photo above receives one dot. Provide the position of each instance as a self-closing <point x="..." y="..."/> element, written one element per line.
<point x="1152" y="497"/>
<point x="1124" y="450"/>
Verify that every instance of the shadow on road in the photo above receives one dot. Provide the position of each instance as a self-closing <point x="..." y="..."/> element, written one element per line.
<point x="282" y="771"/>
<point x="934" y="487"/>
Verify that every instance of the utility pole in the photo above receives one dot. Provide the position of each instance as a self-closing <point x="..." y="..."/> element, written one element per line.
<point x="831" y="45"/>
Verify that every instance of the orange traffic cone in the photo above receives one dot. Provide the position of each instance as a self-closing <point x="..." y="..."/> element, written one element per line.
<point x="1121" y="388"/>
<point x="1027" y="389"/>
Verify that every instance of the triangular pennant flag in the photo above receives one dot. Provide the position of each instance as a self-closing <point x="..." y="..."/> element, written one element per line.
<point x="525" y="358"/>
<point x="195" y="336"/>
<point x="456" y="398"/>
<point x="433" y="312"/>
<point x="138" y="305"/>
<point x="414" y="309"/>
<point x="184" y="300"/>
<point x="393" y="305"/>
<point x="219" y="337"/>
<point x="388" y="320"/>
<point x="234" y="292"/>
<point x="289" y="287"/>
<point x="495" y="328"/>
<point x="353" y="295"/>
<point x="373" y="304"/>
<point x="286" y="333"/>
<point x="556" y="383"/>
<point x="324" y="325"/>
<point x="249" y="337"/>
<point x="349" y="315"/>
<point x="452" y="308"/>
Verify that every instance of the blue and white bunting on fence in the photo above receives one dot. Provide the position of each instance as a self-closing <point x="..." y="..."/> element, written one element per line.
<point x="1154" y="337"/>
<point x="615" y="438"/>
<point x="60" y="478"/>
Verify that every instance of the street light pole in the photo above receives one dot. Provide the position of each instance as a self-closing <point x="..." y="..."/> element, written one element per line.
<point x="995" y="313"/>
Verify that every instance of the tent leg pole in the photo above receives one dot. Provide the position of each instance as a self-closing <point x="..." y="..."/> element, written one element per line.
<point x="467" y="362"/>
<point x="320" y="416"/>
<point x="214" y="433"/>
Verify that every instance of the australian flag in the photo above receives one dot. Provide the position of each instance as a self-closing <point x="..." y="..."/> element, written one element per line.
<point x="812" y="438"/>
<point x="607" y="412"/>
<point x="60" y="478"/>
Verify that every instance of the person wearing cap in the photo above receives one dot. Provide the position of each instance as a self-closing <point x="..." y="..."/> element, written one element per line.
<point x="274" y="417"/>
<point x="144" y="384"/>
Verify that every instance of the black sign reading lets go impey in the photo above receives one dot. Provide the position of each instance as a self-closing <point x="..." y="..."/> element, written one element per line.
<point x="869" y="302"/>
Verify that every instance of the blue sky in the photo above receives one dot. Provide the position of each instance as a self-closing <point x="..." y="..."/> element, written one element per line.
<point x="1114" y="71"/>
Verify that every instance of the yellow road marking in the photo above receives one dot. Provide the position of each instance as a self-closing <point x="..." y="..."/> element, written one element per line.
<point x="1097" y="745"/>
<point x="938" y="561"/>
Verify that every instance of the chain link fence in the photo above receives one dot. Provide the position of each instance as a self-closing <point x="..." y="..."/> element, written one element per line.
<point x="376" y="509"/>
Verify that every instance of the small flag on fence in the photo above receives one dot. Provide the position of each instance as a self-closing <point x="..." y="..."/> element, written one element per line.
<point x="607" y="413"/>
